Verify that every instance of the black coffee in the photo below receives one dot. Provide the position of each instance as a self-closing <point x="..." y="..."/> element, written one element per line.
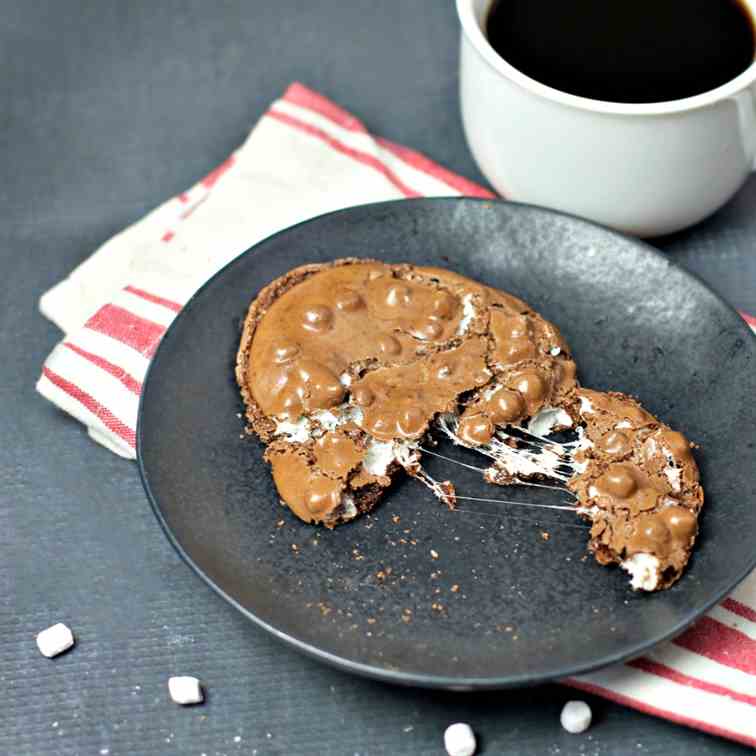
<point x="624" y="50"/>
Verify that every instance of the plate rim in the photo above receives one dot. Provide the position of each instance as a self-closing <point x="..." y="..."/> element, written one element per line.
<point x="372" y="671"/>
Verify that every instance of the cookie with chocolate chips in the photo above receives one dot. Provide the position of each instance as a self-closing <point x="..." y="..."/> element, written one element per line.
<point x="343" y="367"/>
<point x="633" y="477"/>
<point x="638" y="484"/>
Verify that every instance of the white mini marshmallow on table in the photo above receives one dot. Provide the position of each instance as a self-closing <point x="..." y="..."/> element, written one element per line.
<point x="55" y="640"/>
<point x="576" y="717"/>
<point x="459" y="740"/>
<point x="185" y="690"/>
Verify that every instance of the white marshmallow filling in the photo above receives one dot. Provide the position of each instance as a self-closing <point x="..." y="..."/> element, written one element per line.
<point x="534" y="455"/>
<point x="524" y="452"/>
<point x="644" y="571"/>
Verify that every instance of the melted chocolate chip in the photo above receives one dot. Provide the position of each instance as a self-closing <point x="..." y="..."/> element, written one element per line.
<point x="615" y="443"/>
<point x="430" y="330"/>
<point x="444" y="305"/>
<point x="363" y="396"/>
<point x="677" y="444"/>
<point x="476" y="429"/>
<point x="322" y="388"/>
<point x="322" y="495"/>
<point x="349" y="300"/>
<point x="337" y="454"/>
<point x="650" y="535"/>
<point x="388" y="344"/>
<point x="399" y="295"/>
<point x="317" y="318"/>
<point x="286" y="352"/>
<point x="505" y="406"/>
<point x="618" y="481"/>
<point x="681" y="522"/>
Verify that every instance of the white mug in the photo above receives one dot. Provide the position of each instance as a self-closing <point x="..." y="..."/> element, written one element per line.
<point x="645" y="169"/>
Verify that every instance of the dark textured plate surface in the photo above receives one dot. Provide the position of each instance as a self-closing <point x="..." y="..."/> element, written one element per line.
<point x="370" y="596"/>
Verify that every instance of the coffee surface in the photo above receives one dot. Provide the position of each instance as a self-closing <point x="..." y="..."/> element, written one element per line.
<point x="634" y="52"/>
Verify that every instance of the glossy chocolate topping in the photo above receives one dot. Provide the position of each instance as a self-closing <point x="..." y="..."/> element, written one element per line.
<point x="349" y="317"/>
<point x="335" y="319"/>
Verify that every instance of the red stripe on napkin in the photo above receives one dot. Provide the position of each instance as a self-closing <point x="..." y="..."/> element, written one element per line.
<point x="722" y="644"/>
<point x="154" y="298"/>
<point x="131" y="383"/>
<point x="690" y="721"/>
<point x="298" y="94"/>
<point x="212" y="178"/>
<point x="358" y="155"/>
<point x="662" y="670"/>
<point x="750" y="319"/>
<point x="97" y="409"/>
<point x="422" y="163"/>
<point x="139" y="333"/>
<point x="740" y="609"/>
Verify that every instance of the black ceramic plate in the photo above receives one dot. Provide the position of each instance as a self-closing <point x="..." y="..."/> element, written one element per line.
<point x="371" y="597"/>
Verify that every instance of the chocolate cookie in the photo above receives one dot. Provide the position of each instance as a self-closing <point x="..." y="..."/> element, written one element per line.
<point x="638" y="484"/>
<point x="343" y="366"/>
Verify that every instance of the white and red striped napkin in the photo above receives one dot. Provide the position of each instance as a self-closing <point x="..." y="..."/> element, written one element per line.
<point x="307" y="156"/>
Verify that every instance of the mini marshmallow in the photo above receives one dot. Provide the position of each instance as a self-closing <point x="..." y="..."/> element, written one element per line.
<point x="576" y="716"/>
<point x="185" y="690"/>
<point x="55" y="640"/>
<point x="459" y="740"/>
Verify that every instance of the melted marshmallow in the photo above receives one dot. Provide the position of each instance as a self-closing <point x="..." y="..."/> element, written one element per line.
<point x="468" y="314"/>
<point x="549" y="418"/>
<point x="644" y="571"/>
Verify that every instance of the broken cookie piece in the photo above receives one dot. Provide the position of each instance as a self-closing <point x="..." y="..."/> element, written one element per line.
<point x="343" y="367"/>
<point x="639" y="486"/>
<point x="633" y="477"/>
